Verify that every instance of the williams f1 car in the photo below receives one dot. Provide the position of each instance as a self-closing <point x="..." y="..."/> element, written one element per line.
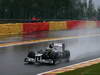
<point x="53" y="54"/>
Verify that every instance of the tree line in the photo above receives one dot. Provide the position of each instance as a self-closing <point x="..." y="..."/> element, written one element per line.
<point x="49" y="9"/>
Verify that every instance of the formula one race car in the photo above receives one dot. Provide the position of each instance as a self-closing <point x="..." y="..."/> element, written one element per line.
<point x="53" y="54"/>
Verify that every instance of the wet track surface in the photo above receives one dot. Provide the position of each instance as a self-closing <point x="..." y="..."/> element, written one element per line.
<point x="12" y="58"/>
<point x="47" y="34"/>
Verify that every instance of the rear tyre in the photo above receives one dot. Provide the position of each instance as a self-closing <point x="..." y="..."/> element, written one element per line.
<point x="53" y="62"/>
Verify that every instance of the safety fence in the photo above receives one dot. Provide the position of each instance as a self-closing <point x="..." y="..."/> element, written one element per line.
<point x="26" y="28"/>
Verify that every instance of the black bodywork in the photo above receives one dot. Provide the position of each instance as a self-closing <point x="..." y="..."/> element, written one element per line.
<point x="49" y="55"/>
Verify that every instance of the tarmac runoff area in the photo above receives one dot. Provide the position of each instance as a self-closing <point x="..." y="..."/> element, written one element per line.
<point x="72" y="67"/>
<point x="48" y="39"/>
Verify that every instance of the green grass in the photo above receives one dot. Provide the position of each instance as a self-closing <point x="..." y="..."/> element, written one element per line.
<point x="90" y="70"/>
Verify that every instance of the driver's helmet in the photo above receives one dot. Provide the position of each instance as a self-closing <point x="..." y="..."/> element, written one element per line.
<point x="51" y="45"/>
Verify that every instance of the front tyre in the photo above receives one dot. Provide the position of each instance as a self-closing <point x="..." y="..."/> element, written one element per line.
<point x="26" y="60"/>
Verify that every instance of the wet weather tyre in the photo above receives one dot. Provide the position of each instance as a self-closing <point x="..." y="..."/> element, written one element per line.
<point x="53" y="62"/>
<point x="31" y="54"/>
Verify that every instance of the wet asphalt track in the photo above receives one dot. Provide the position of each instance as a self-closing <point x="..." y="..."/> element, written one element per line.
<point x="12" y="58"/>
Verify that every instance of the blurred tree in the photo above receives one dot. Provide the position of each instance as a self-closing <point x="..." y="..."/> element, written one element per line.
<point x="98" y="13"/>
<point x="45" y="9"/>
<point x="91" y="12"/>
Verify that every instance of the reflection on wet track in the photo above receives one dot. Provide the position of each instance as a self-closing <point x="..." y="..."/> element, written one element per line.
<point x="12" y="58"/>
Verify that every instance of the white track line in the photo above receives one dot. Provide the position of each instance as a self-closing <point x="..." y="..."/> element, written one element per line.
<point x="48" y="39"/>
